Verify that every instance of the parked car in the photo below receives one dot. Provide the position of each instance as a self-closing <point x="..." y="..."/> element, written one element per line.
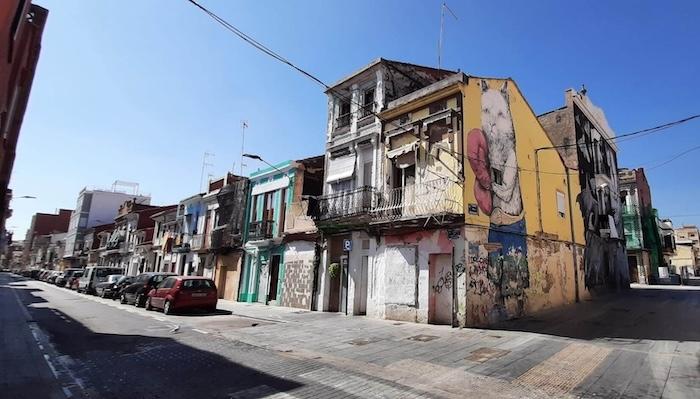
<point x="94" y="275"/>
<point x="67" y="274"/>
<point x="73" y="281"/>
<point x="43" y="274"/>
<point x="121" y="284"/>
<point x="183" y="292"/>
<point x="51" y="277"/>
<point x="104" y="290"/>
<point x="137" y="292"/>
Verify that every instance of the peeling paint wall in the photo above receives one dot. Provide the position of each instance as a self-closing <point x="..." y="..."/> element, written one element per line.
<point x="399" y="275"/>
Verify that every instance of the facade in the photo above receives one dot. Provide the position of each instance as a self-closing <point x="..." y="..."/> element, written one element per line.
<point x="687" y="254"/>
<point x="166" y="229"/>
<point x="42" y="225"/>
<point x="95" y="241"/>
<point x="643" y="242"/>
<point x="189" y="216"/>
<point x="93" y="208"/>
<point x="226" y="242"/>
<point x="465" y="220"/>
<point x="12" y="257"/>
<point x="584" y="140"/>
<point x="21" y="27"/>
<point x="272" y="243"/>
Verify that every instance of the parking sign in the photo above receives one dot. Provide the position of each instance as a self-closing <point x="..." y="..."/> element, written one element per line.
<point x="347" y="245"/>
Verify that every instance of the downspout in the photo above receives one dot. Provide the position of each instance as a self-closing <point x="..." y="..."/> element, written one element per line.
<point x="573" y="236"/>
<point x="539" y="194"/>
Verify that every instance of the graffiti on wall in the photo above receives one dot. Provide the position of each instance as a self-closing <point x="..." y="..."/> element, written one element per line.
<point x="493" y="159"/>
<point x="604" y="254"/>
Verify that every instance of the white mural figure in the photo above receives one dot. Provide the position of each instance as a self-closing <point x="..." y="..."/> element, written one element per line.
<point x="497" y="125"/>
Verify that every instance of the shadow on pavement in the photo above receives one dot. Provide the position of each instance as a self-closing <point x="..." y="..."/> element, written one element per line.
<point x="636" y="314"/>
<point x="143" y="366"/>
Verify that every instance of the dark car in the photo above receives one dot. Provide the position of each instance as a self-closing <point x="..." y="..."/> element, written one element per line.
<point x="137" y="292"/>
<point x="183" y="292"/>
<point x="105" y="289"/>
<point x="119" y="286"/>
<point x="61" y="281"/>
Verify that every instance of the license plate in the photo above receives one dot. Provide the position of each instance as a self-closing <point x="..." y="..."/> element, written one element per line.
<point x="198" y="294"/>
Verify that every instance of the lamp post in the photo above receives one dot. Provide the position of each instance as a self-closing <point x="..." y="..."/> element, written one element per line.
<point x="258" y="158"/>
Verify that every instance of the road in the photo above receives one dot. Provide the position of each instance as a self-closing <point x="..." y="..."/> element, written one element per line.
<point x="57" y="344"/>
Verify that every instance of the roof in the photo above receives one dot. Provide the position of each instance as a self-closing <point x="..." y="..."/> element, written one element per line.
<point x="380" y="60"/>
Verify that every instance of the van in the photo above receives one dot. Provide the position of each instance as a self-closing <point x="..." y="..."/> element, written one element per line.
<point x="94" y="275"/>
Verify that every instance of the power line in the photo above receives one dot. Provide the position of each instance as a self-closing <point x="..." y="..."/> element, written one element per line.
<point x="266" y="50"/>
<point x="674" y="157"/>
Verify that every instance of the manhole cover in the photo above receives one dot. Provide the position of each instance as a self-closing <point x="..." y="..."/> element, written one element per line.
<point x="482" y="355"/>
<point x="363" y="341"/>
<point x="423" y="338"/>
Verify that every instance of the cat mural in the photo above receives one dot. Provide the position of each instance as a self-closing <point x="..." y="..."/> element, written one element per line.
<point x="492" y="157"/>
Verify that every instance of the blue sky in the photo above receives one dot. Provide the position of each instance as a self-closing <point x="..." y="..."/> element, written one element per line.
<point x="138" y="90"/>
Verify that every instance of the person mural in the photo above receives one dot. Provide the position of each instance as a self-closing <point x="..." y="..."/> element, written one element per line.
<point x="492" y="158"/>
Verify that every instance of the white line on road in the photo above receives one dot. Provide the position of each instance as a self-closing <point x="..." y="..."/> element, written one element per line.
<point x="67" y="392"/>
<point x="200" y="331"/>
<point x="53" y="369"/>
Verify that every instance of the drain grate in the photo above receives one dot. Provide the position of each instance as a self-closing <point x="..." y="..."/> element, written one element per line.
<point x="482" y="355"/>
<point x="423" y="338"/>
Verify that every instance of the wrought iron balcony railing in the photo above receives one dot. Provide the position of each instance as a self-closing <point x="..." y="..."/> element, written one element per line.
<point x="434" y="197"/>
<point x="345" y="204"/>
<point x="342" y="121"/>
<point x="261" y="229"/>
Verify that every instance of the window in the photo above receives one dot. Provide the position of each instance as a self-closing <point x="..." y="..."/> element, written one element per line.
<point x="561" y="204"/>
<point x="367" y="103"/>
<point x="197" y="284"/>
<point x="497" y="176"/>
<point x="343" y="115"/>
<point x="437" y="107"/>
<point x="168" y="283"/>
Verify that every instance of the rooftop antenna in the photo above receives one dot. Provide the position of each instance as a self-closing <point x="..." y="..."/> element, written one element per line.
<point x="442" y="23"/>
<point x="244" y="125"/>
<point x="205" y="158"/>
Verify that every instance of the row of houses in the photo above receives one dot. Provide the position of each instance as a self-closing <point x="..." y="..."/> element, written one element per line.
<point x="441" y="198"/>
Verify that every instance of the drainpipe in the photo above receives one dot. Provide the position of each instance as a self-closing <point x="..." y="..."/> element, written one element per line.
<point x="539" y="194"/>
<point x="573" y="236"/>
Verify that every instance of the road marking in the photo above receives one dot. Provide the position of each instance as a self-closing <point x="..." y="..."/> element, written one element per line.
<point x="67" y="392"/>
<point x="200" y="331"/>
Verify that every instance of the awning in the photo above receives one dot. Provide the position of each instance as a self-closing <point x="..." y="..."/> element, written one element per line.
<point x="404" y="149"/>
<point x="340" y="168"/>
<point x="270" y="186"/>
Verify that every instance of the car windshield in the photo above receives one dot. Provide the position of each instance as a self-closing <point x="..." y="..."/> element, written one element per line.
<point x="124" y="279"/>
<point x="197" y="284"/>
<point x="77" y="274"/>
<point x="158" y="278"/>
<point x="113" y="278"/>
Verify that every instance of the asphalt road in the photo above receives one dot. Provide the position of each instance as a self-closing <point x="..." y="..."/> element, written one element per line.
<point x="643" y="343"/>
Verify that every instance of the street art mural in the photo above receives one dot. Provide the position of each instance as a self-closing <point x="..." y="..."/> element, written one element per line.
<point x="604" y="254"/>
<point x="492" y="157"/>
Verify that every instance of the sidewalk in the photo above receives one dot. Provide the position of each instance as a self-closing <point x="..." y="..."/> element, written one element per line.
<point x="511" y="361"/>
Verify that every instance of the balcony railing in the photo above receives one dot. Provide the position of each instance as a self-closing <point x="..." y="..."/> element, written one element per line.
<point x="224" y="237"/>
<point x="367" y="110"/>
<point x="197" y="241"/>
<point x="345" y="204"/>
<point x="434" y="197"/>
<point x="297" y="219"/>
<point x="260" y="230"/>
<point x="342" y="121"/>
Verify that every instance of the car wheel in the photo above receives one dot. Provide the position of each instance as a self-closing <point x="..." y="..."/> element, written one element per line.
<point x="166" y="308"/>
<point x="137" y="301"/>
<point x="148" y="304"/>
<point x="122" y="299"/>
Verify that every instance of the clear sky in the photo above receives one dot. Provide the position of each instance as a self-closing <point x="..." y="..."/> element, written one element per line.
<point x="138" y="90"/>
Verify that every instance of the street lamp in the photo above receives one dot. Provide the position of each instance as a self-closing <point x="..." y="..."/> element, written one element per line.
<point x="25" y="197"/>
<point x="258" y="158"/>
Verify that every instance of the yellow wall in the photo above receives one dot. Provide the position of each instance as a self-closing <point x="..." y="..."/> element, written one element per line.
<point x="529" y="135"/>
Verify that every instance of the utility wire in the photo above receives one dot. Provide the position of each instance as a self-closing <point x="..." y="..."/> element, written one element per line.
<point x="266" y="50"/>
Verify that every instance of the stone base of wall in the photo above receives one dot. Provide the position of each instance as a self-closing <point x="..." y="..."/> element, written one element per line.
<point x="298" y="274"/>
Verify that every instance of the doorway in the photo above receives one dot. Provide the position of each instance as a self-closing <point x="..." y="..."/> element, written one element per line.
<point x="360" y="303"/>
<point x="633" y="268"/>
<point x="274" y="278"/>
<point x="440" y="289"/>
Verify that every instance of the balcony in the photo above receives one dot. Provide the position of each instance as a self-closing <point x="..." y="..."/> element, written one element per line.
<point x="197" y="242"/>
<point x="223" y="238"/>
<point x="345" y="205"/>
<point x="343" y="121"/>
<point x="435" y="197"/>
<point x="297" y="219"/>
<point x="261" y="230"/>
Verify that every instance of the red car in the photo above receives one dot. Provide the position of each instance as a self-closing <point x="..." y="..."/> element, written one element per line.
<point x="183" y="292"/>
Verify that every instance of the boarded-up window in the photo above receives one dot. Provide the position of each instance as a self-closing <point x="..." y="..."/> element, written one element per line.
<point x="401" y="276"/>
